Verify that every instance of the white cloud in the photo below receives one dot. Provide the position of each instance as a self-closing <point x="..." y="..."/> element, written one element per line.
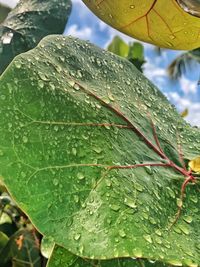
<point x="182" y="103"/>
<point x="10" y="3"/>
<point x="83" y="33"/>
<point x="188" y="86"/>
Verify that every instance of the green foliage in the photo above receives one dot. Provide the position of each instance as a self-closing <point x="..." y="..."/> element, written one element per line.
<point x="19" y="241"/>
<point x="22" y="249"/>
<point x="28" y="23"/>
<point x="85" y="111"/>
<point x="134" y="52"/>
<point x="4" y="10"/>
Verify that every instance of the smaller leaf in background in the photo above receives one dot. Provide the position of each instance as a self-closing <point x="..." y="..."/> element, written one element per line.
<point x="195" y="164"/>
<point x="4" y="10"/>
<point x="184" y="113"/>
<point x="21" y="250"/>
<point x="134" y="52"/>
<point x="118" y="47"/>
<point x="136" y="55"/>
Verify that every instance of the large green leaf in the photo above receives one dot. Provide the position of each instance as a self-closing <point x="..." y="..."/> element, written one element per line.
<point x="69" y="110"/>
<point x="28" y="23"/>
<point x="62" y="257"/>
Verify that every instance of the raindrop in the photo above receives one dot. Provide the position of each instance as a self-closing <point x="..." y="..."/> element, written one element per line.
<point x="148" y="238"/>
<point x="40" y="83"/>
<point x="98" y="150"/>
<point x="23" y="174"/>
<point x="188" y="219"/>
<point x="56" y="128"/>
<point x="137" y="253"/>
<point x="130" y="203"/>
<point x="175" y="262"/>
<point x="7" y="38"/>
<point x="18" y="64"/>
<point x="80" y="176"/>
<point x="110" y="96"/>
<point x="115" y="207"/>
<point x="122" y="233"/>
<point x="184" y="229"/>
<point x="74" y="151"/>
<point x="77" y="236"/>
<point x="55" y="182"/>
<point x="25" y="139"/>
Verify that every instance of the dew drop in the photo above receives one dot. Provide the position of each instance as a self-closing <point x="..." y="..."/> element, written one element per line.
<point x="115" y="207"/>
<point x="122" y="233"/>
<point x="18" y="64"/>
<point x="40" y="83"/>
<point x="184" y="229"/>
<point x="25" y="139"/>
<point x="188" y="219"/>
<point x="80" y="176"/>
<point x="137" y="253"/>
<point x="55" y="182"/>
<point x="175" y="262"/>
<point x="77" y="236"/>
<point x="148" y="238"/>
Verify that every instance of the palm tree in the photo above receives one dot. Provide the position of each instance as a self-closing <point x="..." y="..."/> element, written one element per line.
<point x="179" y="65"/>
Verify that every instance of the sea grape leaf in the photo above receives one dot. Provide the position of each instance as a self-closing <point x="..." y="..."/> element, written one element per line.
<point x="62" y="257"/>
<point x="22" y="249"/>
<point x="160" y="22"/>
<point x="28" y="23"/>
<point x="69" y="113"/>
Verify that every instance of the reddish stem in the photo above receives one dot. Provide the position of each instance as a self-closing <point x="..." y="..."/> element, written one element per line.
<point x="138" y="165"/>
<point x="189" y="179"/>
<point x="157" y="149"/>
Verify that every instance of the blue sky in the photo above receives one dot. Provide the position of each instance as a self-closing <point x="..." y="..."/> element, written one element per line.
<point x="184" y="93"/>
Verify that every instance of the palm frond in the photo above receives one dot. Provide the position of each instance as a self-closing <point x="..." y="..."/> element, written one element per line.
<point x="179" y="66"/>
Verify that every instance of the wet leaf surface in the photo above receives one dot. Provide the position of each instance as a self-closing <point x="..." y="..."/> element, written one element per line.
<point x="62" y="257"/>
<point x="71" y="115"/>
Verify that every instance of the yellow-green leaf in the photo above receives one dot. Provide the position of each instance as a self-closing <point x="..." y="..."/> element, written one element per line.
<point x="195" y="164"/>
<point x="184" y="113"/>
<point x="160" y="22"/>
